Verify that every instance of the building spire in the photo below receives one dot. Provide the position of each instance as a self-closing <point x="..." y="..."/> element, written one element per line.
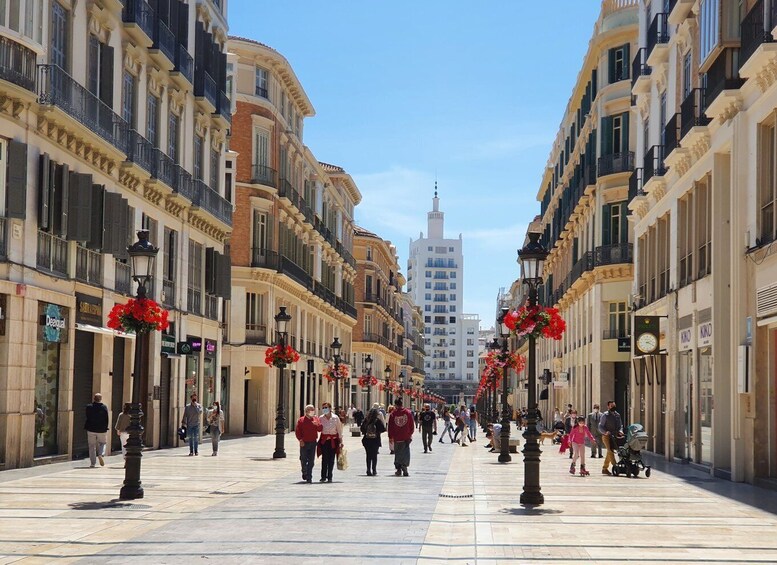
<point x="435" y="218"/>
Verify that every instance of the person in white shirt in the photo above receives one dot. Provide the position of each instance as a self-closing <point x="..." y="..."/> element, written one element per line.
<point x="330" y="442"/>
<point x="350" y="412"/>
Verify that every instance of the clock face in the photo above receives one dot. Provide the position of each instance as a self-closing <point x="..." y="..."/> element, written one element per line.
<point x="647" y="343"/>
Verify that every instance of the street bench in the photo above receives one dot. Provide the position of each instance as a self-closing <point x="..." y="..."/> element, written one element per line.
<point x="513" y="446"/>
<point x="355" y="431"/>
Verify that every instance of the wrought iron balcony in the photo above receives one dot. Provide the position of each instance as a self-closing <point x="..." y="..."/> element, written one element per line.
<point x="142" y="152"/>
<point x="290" y="268"/>
<point x="139" y="12"/>
<point x="754" y="31"/>
<point x="616" y="163"/>
<point x="692" y="111"/>
<point x="264" y="259"/>
<point x="17" y="63"/>
<point x="635" y="184"/>
<point x="654" y="163"/>
<point x="57" y="88"/>
<point x="639" y="67"/>
<point x="184" y="63"/>
<point x="723" y="74"/>
<point x="211" y="201"/>
<point x="89" y="266"/>
<point x="614" y="254"/>
<point x="672" y="133"/>
<point x="262" y="174"/>
<point x="256" y="334"/>
<point x="205" y="87"/>
<point x="52" y="254"/>
<point x="224" y="107"/>
<point x="657" y="32"/>
<point x="168" y="293"/>
<point x="164" y="40"/>
<point x="211" y="307"/>
<point x="122" y="280"/>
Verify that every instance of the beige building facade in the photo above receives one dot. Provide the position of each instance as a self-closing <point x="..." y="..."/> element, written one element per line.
<point x="101" y="104"/>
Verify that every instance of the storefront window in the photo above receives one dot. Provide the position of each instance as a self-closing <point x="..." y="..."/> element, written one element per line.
<point x="192" y="370"/>
<point x="46" y="394"/>
<point x="705" y="403"/>
<point x="209" y="382"/>
<point x="684" y="408"/>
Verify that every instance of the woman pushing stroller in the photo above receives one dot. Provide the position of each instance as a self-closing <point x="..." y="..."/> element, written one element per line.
<point x="577" y="437"/>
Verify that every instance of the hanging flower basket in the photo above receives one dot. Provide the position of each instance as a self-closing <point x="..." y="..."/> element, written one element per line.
<point x="342" y="372"/>
<point x="138" y="316"/>
<point x="537" y="322"/>
<point x="279" y="356"/>
<point x="365" y="381"/>
<point x="501" y="361"/>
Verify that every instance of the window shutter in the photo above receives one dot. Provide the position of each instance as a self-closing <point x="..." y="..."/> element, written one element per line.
<point x="109" y="221"/>
<point x="210" y="270"/>
<point x="106" y="74"/>
<point x="624" y="222"/>
<point x="16" y="180"/>
<point x="575" y="250"/>
<point x="183" y="24"/>
<point x="95" y="241"/>
<point x="80" y="208"/>
<point x="626" y="61"/>
<point x="44" y="191"/>
<point x="625" y="132"/>
<point x="611" y="66"/>
<point x="607" y="135"/>
<point x="606" y="224"/>
<point x="59" y="199"/>
<point x="226" y="274"/>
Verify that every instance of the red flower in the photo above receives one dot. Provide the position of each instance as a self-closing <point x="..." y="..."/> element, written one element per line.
<point x="537" y="322"/>
<point x="277" y="356"/>
<point x="138" y="316"/>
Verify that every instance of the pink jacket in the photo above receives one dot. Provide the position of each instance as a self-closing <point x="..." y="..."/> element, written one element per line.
<point x="579" y="433"/>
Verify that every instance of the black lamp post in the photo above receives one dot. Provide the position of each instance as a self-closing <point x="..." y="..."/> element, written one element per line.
<point x="495" y="346"/>
<point x="142" y="256"/>
<point x="368" y="368"/>
<point x="504" y="443"/>
<point x="532" y="259"/>
<point x="281" y="326"/>
<point x="387" y="381"/>
<point x="336" y="346"/>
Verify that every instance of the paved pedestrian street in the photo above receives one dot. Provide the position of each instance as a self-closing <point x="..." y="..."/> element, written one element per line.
<point x="459" y="505"/>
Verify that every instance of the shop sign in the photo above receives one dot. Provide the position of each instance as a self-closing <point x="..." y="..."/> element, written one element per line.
<point x="705" y="334"/>
<point x="210" y="347"/>
<point x="686" y="339"/>
<point x="624" y="345"/>
<point x="168" y="343"/>
<point x="53" y="322"/>
<point x="89" y="310"/>
<point x="195" y="343"/>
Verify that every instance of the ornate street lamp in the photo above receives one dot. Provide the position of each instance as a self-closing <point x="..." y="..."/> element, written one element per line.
<point x="281" y="327"/>
<point x="495" y="346"/>
<point x="336" y="346"/>
<point x="504" y="443"/>
<point x="142" y="260"/>
<point x="532" y="259"/>
<point x="387" y="374"/>
<point x="368" y="368"/>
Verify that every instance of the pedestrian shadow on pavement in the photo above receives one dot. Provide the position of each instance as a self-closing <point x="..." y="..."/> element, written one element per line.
<point x="264" y="459"/>
<point x="114" y="504"/>
<point x="531" y="511"/>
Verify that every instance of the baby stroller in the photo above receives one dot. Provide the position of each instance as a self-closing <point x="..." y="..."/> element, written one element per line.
<point x="630" y="452"/>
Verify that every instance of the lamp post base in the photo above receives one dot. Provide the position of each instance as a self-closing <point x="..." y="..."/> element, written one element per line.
<point x="531" y="494"/>
<point x="279" y="455"/>
<point x="132" y="488"/>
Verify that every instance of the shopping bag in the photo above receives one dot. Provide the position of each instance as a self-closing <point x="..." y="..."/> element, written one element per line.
<point x="564" y="444"/>
<point x="342" y="459"/>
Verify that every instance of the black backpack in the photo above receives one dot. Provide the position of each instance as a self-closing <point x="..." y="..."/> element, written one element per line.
<point x="371" y="431"/>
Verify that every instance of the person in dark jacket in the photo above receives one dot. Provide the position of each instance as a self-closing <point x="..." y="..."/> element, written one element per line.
<point x="371" y="429"/>
<point x="96" y="427"/>
<point x="358" y="417"/>
<point x="610" y="426"/>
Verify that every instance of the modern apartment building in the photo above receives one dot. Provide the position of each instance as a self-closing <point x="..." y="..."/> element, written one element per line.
<point x="703" y="200"/>
<point x="435" y="273"/>
<point x="379" y="304"/>
<point x="584" y="208"/>
<point x="291" y="246"/>
<point x="114" y="117"/>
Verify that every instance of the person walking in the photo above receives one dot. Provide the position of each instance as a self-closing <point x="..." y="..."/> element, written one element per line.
<point x="557" y="416"/>
<point x="610" y="426"/>
<point x="306" y="430"/>
<point x="216" y="421"/>
<point x="592" y="421"/>
<point x="122" y="423"/>
<point x="577" y="439"/>
<point x="570" y="421"/>
<point x="96" y="426"/>
<point x="358" y="417"/>
<point x="462" y="426"/>
<point x="427" y="423"/>
<point x="381" y="413"/>
<point x="400" y="431"/>
<point x="192" y="416"/>
<point x="473" y="423"/>
<point x="330" y="442"/>
<point x="371" y="429"/>
<point x="448" y="427"/>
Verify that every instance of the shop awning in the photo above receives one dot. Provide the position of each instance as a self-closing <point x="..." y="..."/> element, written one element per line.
<point x="99" y="330"/>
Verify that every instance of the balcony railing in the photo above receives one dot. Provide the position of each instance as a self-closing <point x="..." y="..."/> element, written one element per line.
<point x="256" y="334"/>
<point x="210" y="200"/>
<point x="723" y="74"/>
<point x="290" y="268"/>
<point x="262" y="92"/>
<point x="264" y="259"/>
<point x="639" y="67"/>
<point x="224" y="107"/>
<point x="692" y="111"/>
<point x="211" y="307"/>
<point x="17" y="63"/>
<point x="56" y="87"/>
<point x="185" y="185"/>
<point x="616" y="333"/>
<point x="672" y="133"/>
<point x="654" y="163"/>
<point x="89" y="266"/>
<point x="657" y="32"/>
<point x="194" y="300"/>
<point x="140" y="13"/>
<point x="205" y="87"/>
<point x="754" y="32"/>
<point x="614" y="254"/>
<point x="635" y="184"/>
<point x="52" y="254"/>
<point x="184" y="63"/>
<point x="122" y="279"/>
<point x="262" y="174"/>
<point x="164" y="40"/>
<point x="168" y="293"/>
<point x="616" y="163"/>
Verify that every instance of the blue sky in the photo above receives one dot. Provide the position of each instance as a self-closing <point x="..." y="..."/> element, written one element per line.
<point x="469" y="92"/>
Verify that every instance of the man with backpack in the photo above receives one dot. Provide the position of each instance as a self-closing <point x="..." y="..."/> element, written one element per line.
<point x="427" y="421"/>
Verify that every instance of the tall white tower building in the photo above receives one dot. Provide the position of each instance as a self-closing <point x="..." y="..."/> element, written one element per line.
<point x="435" y="280"/>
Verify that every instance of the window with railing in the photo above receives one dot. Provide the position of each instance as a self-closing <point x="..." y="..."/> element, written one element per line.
<point x="122" y="277"/>
<point x="256" y="328"/>
<point x="767" y="180"/>
<point x="685" y="240"/>
<point x="52" y="254"/>
<point x="194" y="291"/>
<point x="89" y="266"/>
<point x="703" y="203"/>
<point x="619" y="320"/>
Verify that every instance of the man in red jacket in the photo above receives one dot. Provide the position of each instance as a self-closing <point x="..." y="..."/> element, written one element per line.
<point x="400" y="431"/>
<point x="308" y="427"/>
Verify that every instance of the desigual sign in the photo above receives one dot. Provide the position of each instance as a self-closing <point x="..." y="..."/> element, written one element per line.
<point x="53" y="322"/>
